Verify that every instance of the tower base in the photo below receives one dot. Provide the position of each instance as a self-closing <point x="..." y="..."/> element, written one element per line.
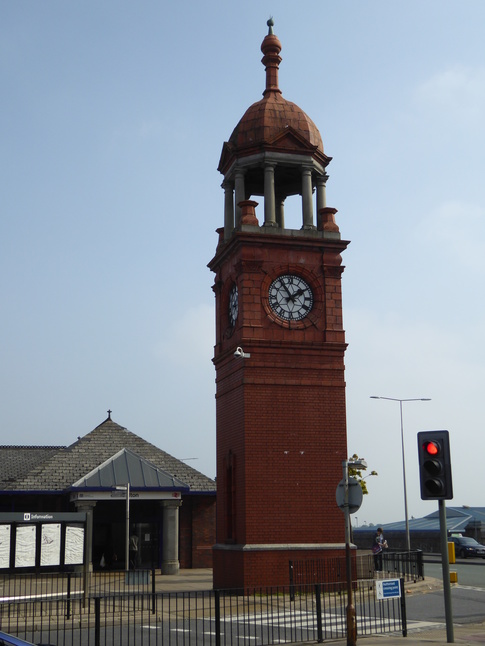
<point x="253" y="566"/>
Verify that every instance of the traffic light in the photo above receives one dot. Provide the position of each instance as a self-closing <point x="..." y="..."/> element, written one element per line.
<point x="435" y="465"/>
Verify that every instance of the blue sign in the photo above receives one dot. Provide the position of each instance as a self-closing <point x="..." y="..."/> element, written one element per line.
<point x="388" y="588"/>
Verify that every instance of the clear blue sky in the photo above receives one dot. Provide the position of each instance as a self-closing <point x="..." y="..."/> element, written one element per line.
<point x="113" y="119"/>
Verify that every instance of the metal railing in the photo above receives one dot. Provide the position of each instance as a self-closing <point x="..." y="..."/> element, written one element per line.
<point x="214" y="617"/>
<point x="71" y="585"/>
<point x="406" y="565"/>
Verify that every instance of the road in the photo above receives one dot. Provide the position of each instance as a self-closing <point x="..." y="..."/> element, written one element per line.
<point x="468" y="596"/>
<point x="470" y="571"/>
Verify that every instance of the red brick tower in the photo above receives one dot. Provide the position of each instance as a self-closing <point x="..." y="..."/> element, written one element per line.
<point x="281" y="422"/>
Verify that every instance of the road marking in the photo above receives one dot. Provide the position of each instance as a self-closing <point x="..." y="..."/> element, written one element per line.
<point x="468" y="587"/>
<point x="50" y="595"/>
<point x="333" y="624"/>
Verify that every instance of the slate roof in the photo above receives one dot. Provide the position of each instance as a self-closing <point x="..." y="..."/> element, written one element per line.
<point x="55" y="469"/>
<point x="15" y="461"/>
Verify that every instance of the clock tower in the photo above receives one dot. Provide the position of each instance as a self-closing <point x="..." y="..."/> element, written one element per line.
<point x="280" y="344"/>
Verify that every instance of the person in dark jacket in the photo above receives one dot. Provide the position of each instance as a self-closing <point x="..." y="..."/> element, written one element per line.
<point x="378" y="545"/>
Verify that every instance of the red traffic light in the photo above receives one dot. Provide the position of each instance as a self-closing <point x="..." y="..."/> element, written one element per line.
<point x="435" y="465"/>
<point x="431" y="448"/>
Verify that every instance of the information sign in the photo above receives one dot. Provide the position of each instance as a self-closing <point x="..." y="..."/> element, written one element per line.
<point x="388" y="588"/>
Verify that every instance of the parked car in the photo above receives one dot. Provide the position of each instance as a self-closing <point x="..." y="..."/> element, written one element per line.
<point x="466" y="546"/>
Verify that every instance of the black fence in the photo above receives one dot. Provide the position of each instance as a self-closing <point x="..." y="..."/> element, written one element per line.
<point x="406" y="565"/>
<point x="72" y="585"/>
<point x="265" y="616"/>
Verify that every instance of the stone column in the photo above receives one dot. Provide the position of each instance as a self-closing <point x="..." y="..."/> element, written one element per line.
<point x="269" y="196"/>
<point x="280" y="211"/>
<point x="321" y="183"/>
<point x="307" y="203"/>
<point x="87" y="507"/>
<point x="240" y="194"/>
<point x="228" y="187"/>
<point x="170" y="536"/>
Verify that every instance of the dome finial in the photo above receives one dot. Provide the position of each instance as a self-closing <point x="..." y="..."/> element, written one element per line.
<point x="271" y="48"/>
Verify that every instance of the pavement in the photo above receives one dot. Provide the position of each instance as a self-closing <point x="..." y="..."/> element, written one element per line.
<point x="473" y="634"/>
<point x="185" y="581"/>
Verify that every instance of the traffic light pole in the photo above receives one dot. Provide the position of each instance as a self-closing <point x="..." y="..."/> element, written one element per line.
<point x="436" y="484"/>
<point x="445" y="564"/>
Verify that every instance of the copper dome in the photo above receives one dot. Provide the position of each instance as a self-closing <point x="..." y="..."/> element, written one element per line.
<point x="266" y="119"/>
<point x="266" y="124"/>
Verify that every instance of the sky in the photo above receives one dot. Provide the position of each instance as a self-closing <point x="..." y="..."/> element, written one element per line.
<point x="114" y="114"/>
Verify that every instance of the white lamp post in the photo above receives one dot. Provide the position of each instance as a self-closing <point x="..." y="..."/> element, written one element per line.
<point x="394" y="399"/>
<point x="126" y="488"/>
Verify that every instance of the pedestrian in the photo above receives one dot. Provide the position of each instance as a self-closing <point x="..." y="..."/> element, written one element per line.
<point x="378" y="545"/>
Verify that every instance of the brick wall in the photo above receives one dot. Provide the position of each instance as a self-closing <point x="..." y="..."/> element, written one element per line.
<point x="197" y="531"/>
<point x="281" y="418"/>
<point x="261" y="568"/>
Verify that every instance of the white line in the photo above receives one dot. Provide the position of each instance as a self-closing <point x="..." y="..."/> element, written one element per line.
<point x="33" y="597"/>
<point x="468" y="587"/>
<point x="334" y="622"/>
<point x="331" y="623"/>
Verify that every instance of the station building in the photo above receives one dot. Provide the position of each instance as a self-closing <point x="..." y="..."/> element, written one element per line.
<point x="67" y="505"/>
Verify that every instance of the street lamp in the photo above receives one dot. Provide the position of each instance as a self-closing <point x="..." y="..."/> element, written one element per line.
<point x="126" y="488"/>
<point x="394" y="399"/>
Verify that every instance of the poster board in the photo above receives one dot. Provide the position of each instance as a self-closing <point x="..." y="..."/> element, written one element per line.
<point x="74" y="545"/>
<point x="25" y="544"/>
<point x="50" y="548"/>
<point x="5" y="531"/>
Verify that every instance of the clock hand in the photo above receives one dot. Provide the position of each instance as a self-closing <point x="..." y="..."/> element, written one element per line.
<point x="287" y="290"/>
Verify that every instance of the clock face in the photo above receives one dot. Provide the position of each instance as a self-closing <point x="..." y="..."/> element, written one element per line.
<point x="290" y="297"/>
<point x="233" y="304"/>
